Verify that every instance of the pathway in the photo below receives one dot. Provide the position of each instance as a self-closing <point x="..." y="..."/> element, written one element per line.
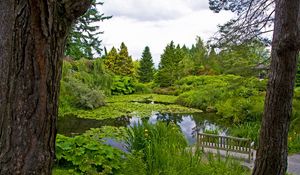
<point x="293" y="160"/>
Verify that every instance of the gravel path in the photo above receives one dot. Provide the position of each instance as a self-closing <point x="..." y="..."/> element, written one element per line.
<point x="294" y="164"/>
<point x="293" y="160"/>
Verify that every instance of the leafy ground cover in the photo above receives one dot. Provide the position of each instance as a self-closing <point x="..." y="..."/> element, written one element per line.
<point x="131" y="105"/>
<point x="153" y="149"/>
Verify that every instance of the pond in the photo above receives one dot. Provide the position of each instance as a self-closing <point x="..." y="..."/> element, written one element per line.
<point x="188" y="123"/>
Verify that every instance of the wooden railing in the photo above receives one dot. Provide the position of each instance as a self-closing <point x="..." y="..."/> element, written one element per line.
<point x="232" y="144"/>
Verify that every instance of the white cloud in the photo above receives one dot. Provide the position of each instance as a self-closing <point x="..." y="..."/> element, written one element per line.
<point x="155" y="23"/>
<point x="153" y="10"/>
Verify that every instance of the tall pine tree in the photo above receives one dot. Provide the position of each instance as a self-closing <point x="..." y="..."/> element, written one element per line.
<point x="199" y="56"/>
<point x="169" y="69"/>
<point x="146" y="69"/>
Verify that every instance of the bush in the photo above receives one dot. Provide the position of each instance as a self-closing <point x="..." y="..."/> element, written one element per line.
<point x="82" y="96"/>
<point x="239" y="110"/>
<point x="86" y="155"/>
<point x="122" y="85"/>
<point x="235" y="98"/>
<point x="294" y="142"/>
<point x="166" y="90"/>
<point x="141" y="88"/>
<point x="84" y="85"/>
<point x="247" y="130"/>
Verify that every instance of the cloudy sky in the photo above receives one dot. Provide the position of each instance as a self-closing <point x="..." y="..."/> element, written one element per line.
<point x="154" y="23"/>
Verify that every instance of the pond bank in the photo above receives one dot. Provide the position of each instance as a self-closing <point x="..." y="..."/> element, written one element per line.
<point x="189" y="123"/>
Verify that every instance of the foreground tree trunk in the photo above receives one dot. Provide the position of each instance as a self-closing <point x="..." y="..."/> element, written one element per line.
<point x="32" y="39"/>
<point x="272" y="152"/>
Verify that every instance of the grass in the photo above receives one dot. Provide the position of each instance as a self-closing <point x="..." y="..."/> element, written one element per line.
<point x="163" y="150"/>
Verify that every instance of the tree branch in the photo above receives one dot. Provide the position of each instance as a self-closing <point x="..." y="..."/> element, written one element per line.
<point x="75" y="9"/>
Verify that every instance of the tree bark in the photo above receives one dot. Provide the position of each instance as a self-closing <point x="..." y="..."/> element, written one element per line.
<point x="32" y="39"/>
<point x="272" y="152"/>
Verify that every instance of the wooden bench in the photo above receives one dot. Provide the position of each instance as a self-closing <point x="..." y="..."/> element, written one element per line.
<point x="232" y="144"/>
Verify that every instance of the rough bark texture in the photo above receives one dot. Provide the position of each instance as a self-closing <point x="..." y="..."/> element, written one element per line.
<point x="32" y="39"/>
<point x="272" y="152"/>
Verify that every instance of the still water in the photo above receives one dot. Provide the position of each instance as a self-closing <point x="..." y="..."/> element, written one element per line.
<point x="188" y="123"/>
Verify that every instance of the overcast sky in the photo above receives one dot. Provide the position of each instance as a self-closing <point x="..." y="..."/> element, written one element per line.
<point x="154" y="23"/>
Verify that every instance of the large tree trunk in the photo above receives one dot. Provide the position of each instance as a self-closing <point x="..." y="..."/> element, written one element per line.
<point x="272" y="152"/>
<point x="32" y="39"/>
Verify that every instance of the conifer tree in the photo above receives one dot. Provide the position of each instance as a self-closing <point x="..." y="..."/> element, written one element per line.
<point x="124" y="62"/>
<point x="199" y="55"/>
<point x="84" y="39"/>
<point x="146" y="69"/>
<point x="110" y="59"/>
<point x="169" y="66"/>
<point x="120" y="62"/>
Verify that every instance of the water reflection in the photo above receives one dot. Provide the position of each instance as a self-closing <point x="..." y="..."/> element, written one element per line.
<point x="188" y="123"/>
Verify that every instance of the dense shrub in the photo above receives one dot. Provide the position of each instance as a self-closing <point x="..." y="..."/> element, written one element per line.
<point x="84" y="85"/>
<point x="83" y="96"/>
<point x="122" y="85"/>
<point x="172" y="90"/>
<point x="235" y="98"/>
<point x="86" y="155"/>
<point x="141" y="88"/>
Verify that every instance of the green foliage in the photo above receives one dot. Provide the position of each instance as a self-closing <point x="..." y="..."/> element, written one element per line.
<point x="169" y="69"/>
<point x="240" y="110"/>
<point x="248" y="59"/>
<point x="131" y="105"/>
<point x="84" y="85"/>
<point x="84" y="38"/>
<point x="86" y="155"/>
<point x="83" y="96"/>
<point x="146" y="69"/>
<point x="162" y="149"/>
<point x="142" y="136"/>
<point x="122" y="85"/>
<point x="120" y="62"/>
<point x="134" y="165"/>
<point x="141" y="88"/>
<point x="235" y="98"/>
<point x="247" y="130"/>
<point x="294" y="142"/>
<point x="143" y="98"/>
<point x="199" y="57"/>
<point x="171" y="90"/>
<point x="114" y="110"/>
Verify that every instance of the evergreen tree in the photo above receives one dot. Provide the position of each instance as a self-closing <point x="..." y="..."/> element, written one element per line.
<point x="199" y="56"/>
<point x="84" y="40"/>
<point x="243" y="59"/>
<point x="213" y="61"/>
<point x="146" y="69"/>
<point x="124" y="62"/>
<point x="111" y="59"/>
<point x="120" y="63"/>
<point x="169" y="66"/>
